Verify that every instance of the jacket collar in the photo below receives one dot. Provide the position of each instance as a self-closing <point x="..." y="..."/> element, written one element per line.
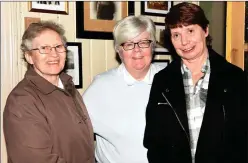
<point x="45" y="86"/>
<point x="217" y="63"/>
<point x="174" y="90"/>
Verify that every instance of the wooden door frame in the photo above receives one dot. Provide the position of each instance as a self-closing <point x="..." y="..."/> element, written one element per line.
<point x="235" y="31"/>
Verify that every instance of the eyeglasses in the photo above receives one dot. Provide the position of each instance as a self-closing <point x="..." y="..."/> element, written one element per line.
<point x="141" y="44"/>
<point x="47" y="49"/>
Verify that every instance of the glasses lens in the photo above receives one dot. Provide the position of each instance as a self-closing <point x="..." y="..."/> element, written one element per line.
<point x="144" y="44"/>
<point x="128" y="46"/>
<point x="60" y="48"/>
<point x="45" y="49"/>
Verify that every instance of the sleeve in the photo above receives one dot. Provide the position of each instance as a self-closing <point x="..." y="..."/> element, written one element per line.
<point x="242" y="127"/>
<point x="27" y="133"/>
<point x="151" y="142"/>
<point x="94" y="99"/>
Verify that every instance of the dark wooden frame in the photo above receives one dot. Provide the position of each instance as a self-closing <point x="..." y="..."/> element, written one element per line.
<point x="144" y="12"/>
<point x="65" y="12"/>
<point x="91" y="34"/>
<point x="80" y="70"/>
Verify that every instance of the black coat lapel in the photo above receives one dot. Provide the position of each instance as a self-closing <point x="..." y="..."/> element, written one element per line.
<point x="213" y="120"/>
<point x="174" y="90"/>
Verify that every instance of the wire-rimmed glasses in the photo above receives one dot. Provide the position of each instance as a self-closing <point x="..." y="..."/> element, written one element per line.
<point x="47" y="49"/>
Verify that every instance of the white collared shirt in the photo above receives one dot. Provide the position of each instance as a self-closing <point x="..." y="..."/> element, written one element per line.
<point x="116" y="103"/>
<point x="60" y="84"/>
<point x="131" y="80"/>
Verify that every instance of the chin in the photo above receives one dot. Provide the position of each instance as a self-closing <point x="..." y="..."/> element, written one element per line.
<point x="139" y="68"/>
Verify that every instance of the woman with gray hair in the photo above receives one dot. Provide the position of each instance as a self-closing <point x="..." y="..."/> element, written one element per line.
<point x="116" y="100"/>
<point x="45" y="119"/>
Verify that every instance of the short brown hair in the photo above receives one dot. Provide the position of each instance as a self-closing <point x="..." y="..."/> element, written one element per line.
<point x="184" y="14"/>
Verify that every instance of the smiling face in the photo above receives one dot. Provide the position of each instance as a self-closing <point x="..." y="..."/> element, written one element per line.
<point x="189" y="41"/>
<point x="137" y="60"/>
<point x="50" y="64"/>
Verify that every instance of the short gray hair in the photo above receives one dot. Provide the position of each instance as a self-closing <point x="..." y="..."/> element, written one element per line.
<point x="35" y="29"/>
<point x="132" y="26"/>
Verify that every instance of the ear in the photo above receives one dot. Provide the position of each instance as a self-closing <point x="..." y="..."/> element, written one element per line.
<point x="207" y="31"/>
<point x="120" y="52"/>
<point x="29" y="58"/>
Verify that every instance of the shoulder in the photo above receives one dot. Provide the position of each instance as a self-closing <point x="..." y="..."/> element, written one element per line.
<point x="102" y="82"/>
<point x="109" y="76"/>
<point x="21" y="99"/>
<point x="220" y="64"/>
<point x="171" y="69"/>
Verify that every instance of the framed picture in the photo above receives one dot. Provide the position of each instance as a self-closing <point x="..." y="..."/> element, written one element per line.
<point x="162" y="58"/>
<point x="54" y="7"/>
<point x="96" y="19"/>
<point x="160" y="29"/>
<point x="30" y="20"/>
<point x="155" y="8"/>
<point x="73" y="65"/>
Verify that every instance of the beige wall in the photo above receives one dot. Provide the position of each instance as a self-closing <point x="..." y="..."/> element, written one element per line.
<point x="98" y="55"/>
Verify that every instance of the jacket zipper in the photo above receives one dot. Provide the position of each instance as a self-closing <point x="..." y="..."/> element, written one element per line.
<point x="177" y="117"/>
<point x="224" y="112"/>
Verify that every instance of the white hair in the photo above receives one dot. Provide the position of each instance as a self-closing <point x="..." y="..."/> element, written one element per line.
<point x="130" y="27"/>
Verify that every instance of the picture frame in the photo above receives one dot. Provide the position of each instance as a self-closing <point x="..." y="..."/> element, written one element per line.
<point x="30" y="20"/>
<point x="160" y="29"/>
<point x="73" y="65"/>
<point x="162" y="58"/>
<point x="93" y="22"/>
<point x="155" y="8"/>
<point x="53" y="7"/>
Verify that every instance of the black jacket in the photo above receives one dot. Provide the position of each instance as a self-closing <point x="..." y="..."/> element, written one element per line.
<point x="223" y="136"/>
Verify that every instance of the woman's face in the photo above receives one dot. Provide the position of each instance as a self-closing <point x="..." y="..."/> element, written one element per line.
<point x="189" y="41"/>
<point x="137" y="59"/>
<point x="49" y="64"/>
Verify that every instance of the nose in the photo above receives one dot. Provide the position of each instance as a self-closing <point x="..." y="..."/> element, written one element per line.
<point x="184" y="40"/>
<point x="136" y="47"/>
<point x="53" y="52"/>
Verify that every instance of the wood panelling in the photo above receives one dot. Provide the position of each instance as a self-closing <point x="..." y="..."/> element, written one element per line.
<point x="235" y="33"/>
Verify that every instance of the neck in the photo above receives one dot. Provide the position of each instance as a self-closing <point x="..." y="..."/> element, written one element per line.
<point x="139" y="74"/>
<point x="195" y="65"/>
<point x="52" y="79"/>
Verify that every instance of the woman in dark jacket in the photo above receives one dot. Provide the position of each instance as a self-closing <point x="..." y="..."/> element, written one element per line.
<point x="45" y="119"/>
<point x="197" y="110"/>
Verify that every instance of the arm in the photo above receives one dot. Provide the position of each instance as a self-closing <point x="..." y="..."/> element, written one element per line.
<point x="27" y="133"/>
<point x="243" y="121"/>
<point x="151" y="141"/>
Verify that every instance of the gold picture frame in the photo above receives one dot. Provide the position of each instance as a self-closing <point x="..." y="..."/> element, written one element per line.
<point x="89" y="25"/>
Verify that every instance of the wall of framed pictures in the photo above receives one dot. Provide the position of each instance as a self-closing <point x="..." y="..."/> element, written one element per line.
<point x="98" y="55"/>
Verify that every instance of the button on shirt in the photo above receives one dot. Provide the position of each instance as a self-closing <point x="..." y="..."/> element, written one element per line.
<point x="195" y="100"/>
<point x="116" y="103"/>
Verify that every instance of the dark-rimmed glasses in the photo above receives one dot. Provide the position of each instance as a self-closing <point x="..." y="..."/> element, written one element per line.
<point x="47" y="49"/>
<point x="141" y="44"/>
